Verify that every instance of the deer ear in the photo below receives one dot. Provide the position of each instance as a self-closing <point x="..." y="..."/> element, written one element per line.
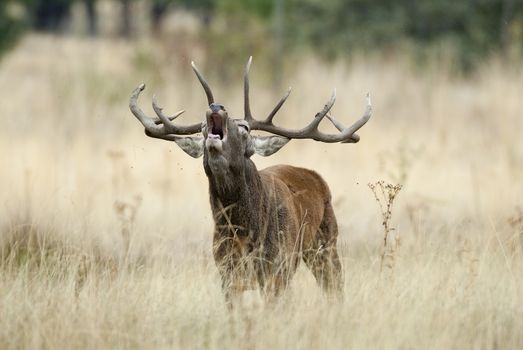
<point x="193" y="146"/>
<point x="267" y="145"/>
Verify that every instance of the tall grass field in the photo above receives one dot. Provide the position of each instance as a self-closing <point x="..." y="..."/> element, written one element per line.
<point x="105" y="234"/>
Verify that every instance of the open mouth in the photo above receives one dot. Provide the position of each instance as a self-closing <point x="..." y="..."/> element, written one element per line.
<point x="216" y="127"/>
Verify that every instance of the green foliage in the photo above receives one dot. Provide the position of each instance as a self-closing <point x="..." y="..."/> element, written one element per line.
<point x="48" y="14"/>
<point x="260" y="8"/>
<point x="472" y="29"/>
<point x="10" y="28"/>
<point x="475" y="29"/>
<point x="469" y="30"/>
<point x="252" y="7"/>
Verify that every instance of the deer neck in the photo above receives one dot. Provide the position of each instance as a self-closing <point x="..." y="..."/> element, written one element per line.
<point x="236" y="195"/>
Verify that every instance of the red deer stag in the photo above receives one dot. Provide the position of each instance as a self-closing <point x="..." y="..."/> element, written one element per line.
<point x="265" y="221"/>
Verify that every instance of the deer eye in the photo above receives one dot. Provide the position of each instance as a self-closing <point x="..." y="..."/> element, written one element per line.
<point x="244" y="127"/>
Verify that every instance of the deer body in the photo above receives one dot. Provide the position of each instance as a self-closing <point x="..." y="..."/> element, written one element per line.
<point x="268" y="224"/>
<point x="265" y="221"/>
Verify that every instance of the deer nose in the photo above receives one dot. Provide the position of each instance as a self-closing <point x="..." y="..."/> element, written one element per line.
<point x="216" y="107"/>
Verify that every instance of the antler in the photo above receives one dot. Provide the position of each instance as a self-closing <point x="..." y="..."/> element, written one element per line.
<point x="160" y="127"/>
<point x="346" y="135"/>
<point x="248" y="115"/>
<point x="208" y="92"/>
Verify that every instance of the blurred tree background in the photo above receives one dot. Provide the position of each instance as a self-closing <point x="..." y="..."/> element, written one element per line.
<point x="469" y="31"/>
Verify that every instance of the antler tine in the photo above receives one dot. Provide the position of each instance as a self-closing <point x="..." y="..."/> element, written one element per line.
<point x="246" y="101"/>
<point x="353" y="139"/>
<point x="313" y="126"/>
<point x="359" y="123"/>
<point x="208" y="92"/>
<point x="157" y="120"/>
<point x="148" y="123"/>
<point x="354" y="127"/>
<point x="336" y="123"/>
<point x="247" y="106"/>
<point x="276" y="108"/>
<point x="311" y="131"/>
<point x="152" y="127"/>
<point x="165" y="120"/>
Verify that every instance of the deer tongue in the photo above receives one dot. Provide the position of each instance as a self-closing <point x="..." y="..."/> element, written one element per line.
<point x="217" y="125"/>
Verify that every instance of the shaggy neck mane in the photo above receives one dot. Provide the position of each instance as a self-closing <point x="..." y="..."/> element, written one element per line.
<point x="237" y="200"/>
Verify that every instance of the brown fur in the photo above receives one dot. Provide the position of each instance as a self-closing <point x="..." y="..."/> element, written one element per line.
<point x="273" y="219"/>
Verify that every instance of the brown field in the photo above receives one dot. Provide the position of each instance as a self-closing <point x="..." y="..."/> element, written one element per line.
<point x="80" y="181"/>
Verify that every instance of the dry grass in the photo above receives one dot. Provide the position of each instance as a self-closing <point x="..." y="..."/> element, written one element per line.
<point x="106" y="234"/>
<point x="385" y="194"/>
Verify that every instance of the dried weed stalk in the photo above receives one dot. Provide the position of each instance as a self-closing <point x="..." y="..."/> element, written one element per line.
<point x="125" y="210"/>
<point x="469" y="257"/>
<point x="516" y="223"/>
<point x="126" y="214"/>
<point x="385" y="193"/>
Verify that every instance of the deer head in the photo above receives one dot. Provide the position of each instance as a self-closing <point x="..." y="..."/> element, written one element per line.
<point x="225" y="140"/>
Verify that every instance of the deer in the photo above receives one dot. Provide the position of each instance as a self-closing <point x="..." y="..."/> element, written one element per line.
<point x="265" y="221"/>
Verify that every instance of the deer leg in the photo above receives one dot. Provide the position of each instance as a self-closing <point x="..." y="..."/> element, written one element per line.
<point x="273" y="289"/>
<point x="325" y="265"/>
<point x="323" y="259"/>
<point x="223" y="257"/>
<point x="228" y="292"/>
<point x="272" y="281"/>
